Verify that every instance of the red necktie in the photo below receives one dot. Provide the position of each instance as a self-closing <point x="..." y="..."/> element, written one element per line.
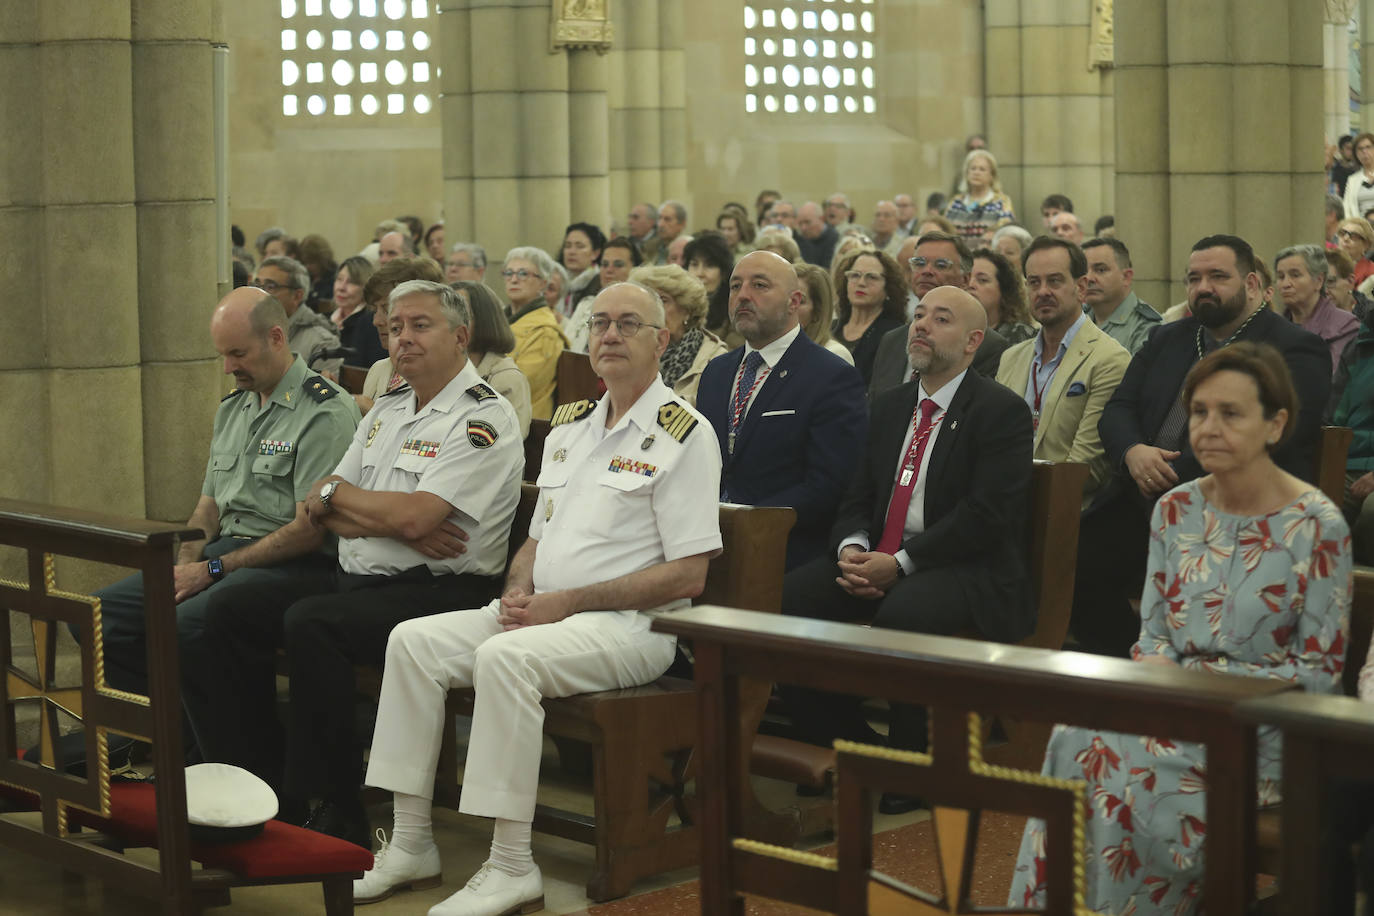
<point x="895" y="525"/>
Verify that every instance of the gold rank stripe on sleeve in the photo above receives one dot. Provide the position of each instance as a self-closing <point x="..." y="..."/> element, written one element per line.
<point x="567" y="413"/>
<point x="677" y="420"/>
<point x="481" y="392"/>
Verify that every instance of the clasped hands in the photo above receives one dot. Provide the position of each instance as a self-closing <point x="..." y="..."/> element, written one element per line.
<point x="866" y="573"/>
<point x="1149" y="467"/>
<point x="521" y="609"/>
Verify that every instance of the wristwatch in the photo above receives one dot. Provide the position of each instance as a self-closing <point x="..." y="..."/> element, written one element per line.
<point x="215" y="567"/>
<point x="327" y="493"/>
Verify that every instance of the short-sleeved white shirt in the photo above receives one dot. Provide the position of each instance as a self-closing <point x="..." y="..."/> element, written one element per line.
<point x="464" y="446"/>
<point x="614" y="502"/>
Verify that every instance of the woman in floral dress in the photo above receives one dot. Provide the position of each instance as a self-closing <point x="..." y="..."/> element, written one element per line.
<point x="1249" y="573"/>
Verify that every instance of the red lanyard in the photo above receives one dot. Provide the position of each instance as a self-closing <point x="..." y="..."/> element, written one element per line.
<point x="913" y="451"/>
<point x="742" y="397"/>
<point x="1035" y="388"/>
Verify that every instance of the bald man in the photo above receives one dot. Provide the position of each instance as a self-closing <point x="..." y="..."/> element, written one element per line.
<point x="931" y="533"/>
<point x="789" y="414"/>
<point x="279" y="430"/>
<point x="815" y="237"/>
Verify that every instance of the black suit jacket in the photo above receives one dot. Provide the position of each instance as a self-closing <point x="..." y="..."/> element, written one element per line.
<point x="977" y="498"/>
<point x="890" y="362"/>
<point x="798" y="444"/>
<point x="1154" y="381"/>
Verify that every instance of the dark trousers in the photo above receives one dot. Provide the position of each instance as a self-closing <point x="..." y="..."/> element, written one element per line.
<point x="328" y="622"/>
<point x="1113" y="545"/>
<point x="927" y="601"/>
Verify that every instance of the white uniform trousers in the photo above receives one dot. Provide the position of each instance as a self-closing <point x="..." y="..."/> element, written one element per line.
<point x="511" y="672"/>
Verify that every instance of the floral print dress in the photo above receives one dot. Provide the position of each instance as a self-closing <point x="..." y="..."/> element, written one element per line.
<point x="1265" y="596"/>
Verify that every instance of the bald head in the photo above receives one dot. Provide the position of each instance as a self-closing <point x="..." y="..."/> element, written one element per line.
<point x="249" y="330"/>
<point x="945" y="332"/>
<point x="810" y="220"/>
<point x="391" y="246"/>
<point x="764" y="297"/>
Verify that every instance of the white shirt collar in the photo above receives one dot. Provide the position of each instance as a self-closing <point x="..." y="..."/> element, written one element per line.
<point x="945" y="395"/>
<point x="773" y="352"/>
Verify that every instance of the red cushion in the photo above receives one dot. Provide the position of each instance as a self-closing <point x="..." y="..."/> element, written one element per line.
<point x="281" y="850"/>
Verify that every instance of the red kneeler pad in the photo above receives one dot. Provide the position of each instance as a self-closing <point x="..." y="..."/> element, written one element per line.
<point x="280" y="851"/>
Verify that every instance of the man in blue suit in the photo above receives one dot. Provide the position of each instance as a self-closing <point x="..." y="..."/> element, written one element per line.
<point x="790" y="415"/>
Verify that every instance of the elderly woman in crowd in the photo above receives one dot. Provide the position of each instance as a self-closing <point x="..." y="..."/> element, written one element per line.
<point x="557" y="286"/>
<point x="467" y="261"/>
<point x="580" y="256"/>
<point x="1249" y="573"/>
<point x="1300" y="273"/>
<point x="382" y="376"/>
<point x="318" y="258"/>
<point x="1340" y="284"/>
<point x="351" y="316"/>
<point x="780" y="242"/>
<point x="708" y="258"/>
<point x="980" y="210"/>
<point x="870" y="301"/>
<point x="489" y="347"/>
<point x="817" y="310"/>
<point x="1011" y="242"/>
<point x="998" y="285"/>
<point x="538" y="336"/>
<point x="690" y="345"/>
<point x="1359" y="187"/>
<point x="737" y="230"/>
<point x="1355" y="237"/>
<point x="618" y="258"/>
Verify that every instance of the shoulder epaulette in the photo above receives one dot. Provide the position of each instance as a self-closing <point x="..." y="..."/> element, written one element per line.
<point x="677" y="420"/>
<point x="397" y="390"/>
<point x="567" y="413"/>
<point x="481" y="392"/>
<point x="234" y="393"/>
<point x="1148" y="311"/>
<point x="318" y="389"/>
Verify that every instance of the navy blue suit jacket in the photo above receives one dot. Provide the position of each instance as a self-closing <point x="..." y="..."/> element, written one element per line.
<point x="799" y="443"/>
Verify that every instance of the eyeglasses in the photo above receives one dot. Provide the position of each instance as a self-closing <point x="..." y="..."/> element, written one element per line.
<point x="940" y="263"/>
<point x="522" y="274"/>
<point x="463" y="264"/>
<point x="626" y="327"/>
<point x="271" y="285"/>
<point x="1349" y="234"/>
<point x="859" y="276"/>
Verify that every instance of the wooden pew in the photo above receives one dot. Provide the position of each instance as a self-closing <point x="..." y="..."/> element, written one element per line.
<point x="1332" y="449"/>
<point x="127" y="815"/>
<point x="351" y="378"/>
<point x="954" y="678"/>
<point x="643" y="740"/>
<point x="1056" y="493"/>
<point x="575" y="379"/>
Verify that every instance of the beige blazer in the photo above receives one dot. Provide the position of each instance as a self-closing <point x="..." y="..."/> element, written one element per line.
<point x="1069" y="411"/>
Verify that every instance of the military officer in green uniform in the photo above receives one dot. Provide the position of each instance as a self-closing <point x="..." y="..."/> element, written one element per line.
<point x="281" y="429"/>
<point x="1109" y="301"/>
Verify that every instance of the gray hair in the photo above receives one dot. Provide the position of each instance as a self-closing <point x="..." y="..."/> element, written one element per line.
<point x="451" y="305"/>
<point x="1335" y="206"/>
<point x="840" y="198"/>
<point x="1314" y="256"/>
<point x="561" y="273"/>
<point x="653" y="211"/>
<point x="657" y="315"/>
<point x="268" y="235"/>
<point x="267" y="314"/>
<point x="679" y="211"/>
<point x="1023" y="238"/>
<point x="300" y="277"/>
<point x="478" y="253"/>
<point x="390" y="225"/>
<point x="543" y="265"/>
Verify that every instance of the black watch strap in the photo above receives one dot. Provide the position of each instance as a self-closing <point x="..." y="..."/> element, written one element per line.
<point x="215" y="567"/>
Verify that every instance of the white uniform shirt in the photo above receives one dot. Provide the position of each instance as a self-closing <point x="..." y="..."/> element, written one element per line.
<point x="464" y="446"/>
<point x="614" y="502"/>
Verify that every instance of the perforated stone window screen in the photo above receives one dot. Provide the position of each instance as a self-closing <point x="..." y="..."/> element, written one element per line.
<point x="812" y="56"/>
<point x="347" y="57"/>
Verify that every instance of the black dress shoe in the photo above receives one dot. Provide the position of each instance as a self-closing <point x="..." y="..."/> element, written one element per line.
<point x="347" y="821"/>
<point x="892" y="803"/>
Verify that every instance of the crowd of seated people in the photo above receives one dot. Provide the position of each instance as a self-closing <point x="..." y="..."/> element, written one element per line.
<point x="892" y="383"/>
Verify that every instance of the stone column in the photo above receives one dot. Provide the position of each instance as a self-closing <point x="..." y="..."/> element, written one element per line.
<point x="1366" y="63"/>
<point x="636" y="121"/>
<point x="589" y="137"/>
<point x="673" y="103"/>
<point x="455" y="114"/>
<point x="1336" y="66"/>
<point x="1189" y="164"/>
<point x="1049" y="114"/>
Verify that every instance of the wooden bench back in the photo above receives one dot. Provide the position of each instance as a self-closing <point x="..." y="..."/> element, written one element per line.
<point x="352" y="378"/>
<point x="1056" y="496"/>
<point x="1332" y="449"/>
<point x="575" y="378"/>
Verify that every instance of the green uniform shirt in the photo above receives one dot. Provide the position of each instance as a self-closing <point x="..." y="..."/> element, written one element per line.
<point x="264" y="458"/>
<point x="1130" y="324"/>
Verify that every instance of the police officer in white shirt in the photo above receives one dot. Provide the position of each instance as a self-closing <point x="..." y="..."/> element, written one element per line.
<point x="422" y="503"/>
<point x="626" y="524"/>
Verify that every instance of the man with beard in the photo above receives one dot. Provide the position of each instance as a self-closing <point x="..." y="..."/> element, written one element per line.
<point x="1144" y="430"/>
<point x="930" y="537"/>
<point x="938" y="259"/>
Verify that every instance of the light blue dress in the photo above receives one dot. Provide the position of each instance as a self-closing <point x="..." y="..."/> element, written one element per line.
<point x="1265" y="596"/>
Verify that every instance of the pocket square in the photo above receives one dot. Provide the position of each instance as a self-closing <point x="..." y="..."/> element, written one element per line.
<point x="1076" y="389"/>
<point x="776" y="413"/>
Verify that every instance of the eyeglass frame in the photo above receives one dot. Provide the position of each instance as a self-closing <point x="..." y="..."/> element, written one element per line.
<point x="640" y="324"/>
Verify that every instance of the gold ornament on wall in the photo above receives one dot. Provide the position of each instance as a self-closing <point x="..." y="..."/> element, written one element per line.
<point x="580" y="24"/>
<point x="1101" y="41"/>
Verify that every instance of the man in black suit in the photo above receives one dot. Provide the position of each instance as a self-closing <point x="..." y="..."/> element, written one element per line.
<point x="930" y="537"/>
<point x="1144" y="430"/>
<point x="789" y="414"/>
<point x="940" y="259"/>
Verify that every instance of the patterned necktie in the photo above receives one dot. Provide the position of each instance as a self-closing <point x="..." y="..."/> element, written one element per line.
<point x="897" y="507"/>
<point x="747" y="380"/>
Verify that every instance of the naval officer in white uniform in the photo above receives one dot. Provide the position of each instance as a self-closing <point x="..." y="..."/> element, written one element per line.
<point x="621" y="532"/>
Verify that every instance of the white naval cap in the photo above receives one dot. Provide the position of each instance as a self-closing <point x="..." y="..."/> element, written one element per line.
<point x="226" y="803"/>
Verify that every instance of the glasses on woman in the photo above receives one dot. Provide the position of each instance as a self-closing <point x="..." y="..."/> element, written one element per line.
<point x="861" y="276"/>
<point x="522" y="274"/>
<point x="1340" y="233"/>
<point x="626" y="327"/>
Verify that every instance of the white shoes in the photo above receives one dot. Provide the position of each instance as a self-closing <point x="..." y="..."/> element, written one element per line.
<point x="397" y="870"/>
<point x="492" y="892"/>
